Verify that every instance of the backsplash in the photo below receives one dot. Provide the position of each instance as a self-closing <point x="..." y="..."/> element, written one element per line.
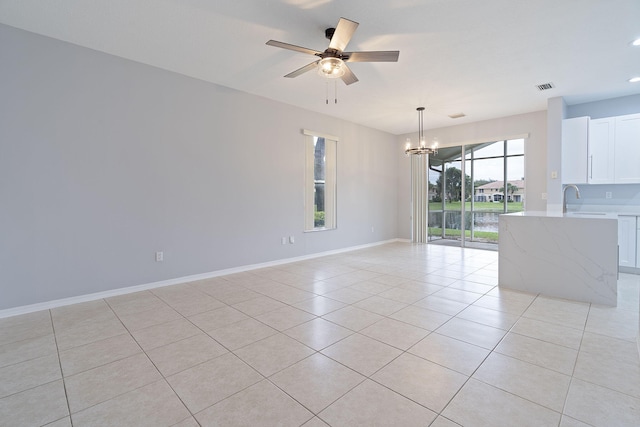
<point x="624" y="198"/>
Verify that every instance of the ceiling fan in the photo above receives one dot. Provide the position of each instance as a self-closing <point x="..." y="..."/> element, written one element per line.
<point x="332" y="61"/>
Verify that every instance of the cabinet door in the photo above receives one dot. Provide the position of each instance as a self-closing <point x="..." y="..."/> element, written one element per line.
<point x="637" y="243"/>
<point x="627" y="149"/>
<point x="601" y="150"/>
<point x="575" y="133"/>
<point x="627" y="241"/>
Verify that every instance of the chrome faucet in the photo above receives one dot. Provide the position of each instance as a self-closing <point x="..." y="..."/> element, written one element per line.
<point x="564" y="196"/>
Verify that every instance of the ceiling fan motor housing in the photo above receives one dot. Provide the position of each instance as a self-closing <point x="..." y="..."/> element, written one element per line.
<point x="328" y="33"/>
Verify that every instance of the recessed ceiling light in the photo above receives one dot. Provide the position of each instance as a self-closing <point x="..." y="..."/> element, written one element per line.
<point x="634" y="80"/>
<point x="636" y="42"/>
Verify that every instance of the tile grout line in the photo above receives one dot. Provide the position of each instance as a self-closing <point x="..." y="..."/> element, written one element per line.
<point x="152" y="362"/>
<point x="62" y="376"/>
<point x="481" y="363"/>
<point x="106" y="364"/>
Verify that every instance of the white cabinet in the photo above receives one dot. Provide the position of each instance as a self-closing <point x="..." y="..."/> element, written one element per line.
<point x="627" y="149"/>
<point x="575" y="135"/>
<point x="601" y="150"/>
<point x="638" y="246"/>
<point x="627" y="242"/>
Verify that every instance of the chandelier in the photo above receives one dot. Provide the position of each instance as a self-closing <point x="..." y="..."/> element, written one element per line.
<point x="422" y="143"/>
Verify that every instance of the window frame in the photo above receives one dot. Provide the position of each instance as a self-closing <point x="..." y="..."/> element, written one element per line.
<point x="330" y="184"/>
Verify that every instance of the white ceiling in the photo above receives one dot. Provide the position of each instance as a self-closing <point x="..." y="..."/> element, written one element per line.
<point x="483" y="58"/>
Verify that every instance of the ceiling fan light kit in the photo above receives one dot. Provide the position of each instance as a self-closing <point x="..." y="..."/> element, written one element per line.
<point x="331" y="68"/>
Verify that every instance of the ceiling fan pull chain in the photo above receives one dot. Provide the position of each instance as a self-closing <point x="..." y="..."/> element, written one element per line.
<point x="335" y="91"/>
<point x="326" y="92"/>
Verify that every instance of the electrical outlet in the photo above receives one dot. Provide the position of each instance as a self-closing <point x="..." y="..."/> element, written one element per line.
<point x="554" y="175"/>
<point x="291" y="240"/>
<point x="608" y="195"/>
<point x="544" y="196"/>
<point x="159" y="256"/>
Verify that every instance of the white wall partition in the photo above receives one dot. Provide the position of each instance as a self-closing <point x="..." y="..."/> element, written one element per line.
<point x="419" y="198"/>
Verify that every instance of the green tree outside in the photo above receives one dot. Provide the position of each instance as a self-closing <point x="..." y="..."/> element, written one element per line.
<point x="453" y="185"/>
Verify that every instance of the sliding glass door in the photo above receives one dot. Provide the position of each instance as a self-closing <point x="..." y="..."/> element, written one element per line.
<point x="466" y="197"/>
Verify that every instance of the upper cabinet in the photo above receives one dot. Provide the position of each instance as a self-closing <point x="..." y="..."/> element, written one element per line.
<point x="575" y="134"/>
<point x="627" y="149"/>
<point x="601" y="151"/>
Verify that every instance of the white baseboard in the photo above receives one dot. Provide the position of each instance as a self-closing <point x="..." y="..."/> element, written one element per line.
<point x="15" y="311"/>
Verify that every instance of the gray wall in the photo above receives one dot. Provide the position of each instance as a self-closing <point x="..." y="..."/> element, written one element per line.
<point x="606" y="108"/>
<point x="534" y="124"/>
<point x="105" y="161"/>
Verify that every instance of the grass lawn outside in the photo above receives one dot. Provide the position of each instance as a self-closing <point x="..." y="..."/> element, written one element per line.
<point x="482" y="236"/>
<point x="477" y="206"/>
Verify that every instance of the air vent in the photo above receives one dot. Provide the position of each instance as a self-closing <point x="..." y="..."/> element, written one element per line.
<point x="457" y="115"/>
<point x="545" y="86"/>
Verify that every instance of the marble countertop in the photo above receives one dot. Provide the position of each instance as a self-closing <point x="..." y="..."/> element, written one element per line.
<point x="630" y="210"/>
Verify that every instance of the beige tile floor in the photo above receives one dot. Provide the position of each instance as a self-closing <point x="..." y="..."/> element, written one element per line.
<point x="396" y="335"/>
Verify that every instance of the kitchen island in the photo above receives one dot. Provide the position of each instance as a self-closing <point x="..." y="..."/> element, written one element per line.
<point x="571" y="256"/>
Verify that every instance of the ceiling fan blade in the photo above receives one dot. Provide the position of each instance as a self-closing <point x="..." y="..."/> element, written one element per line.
<point x="303" y="70"/>
<point x="342" y="35"/>
<point x="293" y="47"/>
<point x="348" y="77"/>
<point x="373" y="56"/>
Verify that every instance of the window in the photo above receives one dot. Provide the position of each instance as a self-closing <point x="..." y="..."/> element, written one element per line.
<point x="320" y="181"/>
